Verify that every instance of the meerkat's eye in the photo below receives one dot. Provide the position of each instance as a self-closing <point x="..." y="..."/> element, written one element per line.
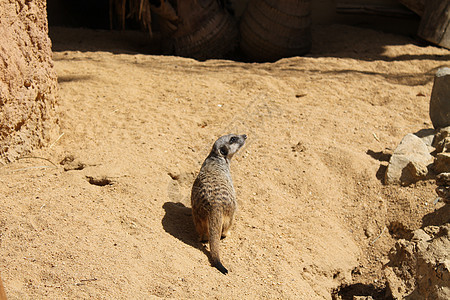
<point x="233" y="140"/>
<point x="224" y="150"/>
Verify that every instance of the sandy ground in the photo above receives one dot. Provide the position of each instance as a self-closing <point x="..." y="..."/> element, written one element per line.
<point x="314" y="216"/>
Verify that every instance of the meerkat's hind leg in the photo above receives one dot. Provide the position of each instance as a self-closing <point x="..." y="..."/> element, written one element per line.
<point x="225" y="233"/>
<point x="202" y="229"/>
<point x="227" y="222"/>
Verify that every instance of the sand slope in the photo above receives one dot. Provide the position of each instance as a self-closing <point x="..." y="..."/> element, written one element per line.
<point x="313" y="213"/>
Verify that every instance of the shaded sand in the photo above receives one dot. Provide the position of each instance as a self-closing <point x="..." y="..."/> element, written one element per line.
<point x="313" y="213"/>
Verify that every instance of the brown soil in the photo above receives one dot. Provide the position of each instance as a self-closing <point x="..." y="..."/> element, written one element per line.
<point x="113" y="219"/>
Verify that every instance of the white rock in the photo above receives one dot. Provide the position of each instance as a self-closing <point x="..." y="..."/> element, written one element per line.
<point x="410" y="150"/>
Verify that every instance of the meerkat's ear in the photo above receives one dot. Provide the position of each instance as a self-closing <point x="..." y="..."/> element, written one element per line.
<point x="223" y="150"/>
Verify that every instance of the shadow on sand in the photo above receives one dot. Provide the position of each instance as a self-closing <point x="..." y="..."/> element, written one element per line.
<point x="178" y="222"/>
<point x="438" y="217"/>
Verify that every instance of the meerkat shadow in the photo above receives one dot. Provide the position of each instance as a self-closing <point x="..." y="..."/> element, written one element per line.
<point x="178" y="222"/>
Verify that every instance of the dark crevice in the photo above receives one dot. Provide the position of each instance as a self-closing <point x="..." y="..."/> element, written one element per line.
<point x="349" y="292"/>
<point x="399" y="231"/>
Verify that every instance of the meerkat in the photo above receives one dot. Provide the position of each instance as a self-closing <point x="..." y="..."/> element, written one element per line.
<point x="213" y="197"/>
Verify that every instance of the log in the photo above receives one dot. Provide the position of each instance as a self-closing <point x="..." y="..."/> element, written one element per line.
<point x="435" y="24"/>
<point x="373" y="9"/>
<point x="417" y="6"/>
<point x="271" y="30"/>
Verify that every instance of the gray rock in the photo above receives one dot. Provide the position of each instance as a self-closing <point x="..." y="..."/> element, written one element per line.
<point x="442" y="163"/>
<point x="408" y="162"/>
<point x="427" y="136"/>
<point x="440" y="99"/>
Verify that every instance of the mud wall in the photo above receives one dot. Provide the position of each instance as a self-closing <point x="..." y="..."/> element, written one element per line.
<point x="27" y="78"/>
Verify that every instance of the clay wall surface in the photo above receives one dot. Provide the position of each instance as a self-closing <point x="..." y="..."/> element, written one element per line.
<point x="27" y="78"/>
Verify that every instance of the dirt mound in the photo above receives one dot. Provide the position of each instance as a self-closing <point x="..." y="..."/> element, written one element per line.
<point x="420" y="268"/>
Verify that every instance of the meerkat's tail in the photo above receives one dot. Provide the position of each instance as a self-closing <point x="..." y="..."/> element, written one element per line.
<point x="215" y="222"/>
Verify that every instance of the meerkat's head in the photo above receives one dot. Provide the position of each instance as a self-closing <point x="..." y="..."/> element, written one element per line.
<point x="226" y="146"/>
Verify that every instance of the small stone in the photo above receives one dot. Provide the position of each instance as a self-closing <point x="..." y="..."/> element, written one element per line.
<point x="442" y="140"/>
<point x="299" y="147"/>
<point x="421" y="238"/>
<point x="444" y="193"/>
<point x="420" y="235"/>
<point x="418" y="171"/>
<point x="369" y="232"/>
<point x="444" y="145"/>
<point x="70" y="163"/>
<point x="443" y="179"/>
<point x="442" y="163"/>
<point x="76" y="165"/>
